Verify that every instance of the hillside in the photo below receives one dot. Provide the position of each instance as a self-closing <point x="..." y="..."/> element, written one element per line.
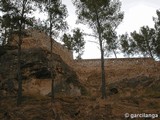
<point x="116" y="70"/>
<point x="133" y="85"/>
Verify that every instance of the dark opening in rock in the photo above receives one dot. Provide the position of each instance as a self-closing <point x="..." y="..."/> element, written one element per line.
<point x="42" y="73"/>
<point x="113" y="91"/>
<point x="2" y="50"/>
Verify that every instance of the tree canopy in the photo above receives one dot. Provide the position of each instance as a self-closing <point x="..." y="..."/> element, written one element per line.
<point x="75" y="42"/>
<point x="146" y="42"/>
<point x="99" y="16"/>
<point x="14" y="13"/>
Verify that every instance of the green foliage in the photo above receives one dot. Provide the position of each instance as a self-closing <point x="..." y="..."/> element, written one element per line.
<point x="125" y="45"/>
<point x="40" y="25"/>
<point x="107" y="11"/>
<point x="99" y="16"/>
<point x="144" y="40"/>
<point x="157" y="33"/>
<point x="8" y="10"/>
<point x="12" y="17"/>
<point x="57" y="13"/>
<point x="112" y="44"/>
<point x="78" y="44"/>
<point x="68" y="41"/>
<point x="142" y="43"/>
<point x="75" y="42"/>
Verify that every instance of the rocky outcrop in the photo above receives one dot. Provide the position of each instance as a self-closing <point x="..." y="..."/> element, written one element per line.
<point x="39" y="39"/>
<point x="36" y="72"/>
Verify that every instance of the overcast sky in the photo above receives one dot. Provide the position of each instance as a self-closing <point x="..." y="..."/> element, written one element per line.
<point x="136" y="14"/>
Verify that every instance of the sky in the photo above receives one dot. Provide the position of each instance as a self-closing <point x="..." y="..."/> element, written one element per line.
<point x="137" y="13"/>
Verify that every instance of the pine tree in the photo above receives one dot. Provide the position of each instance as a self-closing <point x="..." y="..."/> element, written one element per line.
<point x="7" y="25"/>
<point x="127" y="45"/>
<point x="111" y="43"/>
<point x="68" y="41"/>
<point x="99" y="15"/>
<point x="157" y="34"/>
<point x="78" y="42"/>
<point x="14" y="20"/>
<point x="75" y="42"/>
<point x="144" y="41"/>
<point x="57" y="14"/>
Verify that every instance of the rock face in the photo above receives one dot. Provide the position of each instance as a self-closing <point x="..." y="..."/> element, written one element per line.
<point x="38" y="39"/>
<point x="35" y="66"/>
<point x="36" y="73"/>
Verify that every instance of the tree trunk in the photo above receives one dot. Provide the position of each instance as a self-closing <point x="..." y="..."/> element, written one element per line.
<point x="150" y="52"/>
<point x="19" y="96"/>
<point x="10" y="35"/>
<point x="103" y="87"/>
<point x="52" y="77"/>
<point x="149" y="49"/>
<point x="51" y="60"/>
<point x="115" y="53"/>
<point x="102" y="70"/>
<point x="5" y="37"/>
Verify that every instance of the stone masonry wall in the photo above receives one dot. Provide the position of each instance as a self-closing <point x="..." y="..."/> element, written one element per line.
<point x="37" y="38"/>
<point x="113" y="62"/>
<point x="115" y="69"/>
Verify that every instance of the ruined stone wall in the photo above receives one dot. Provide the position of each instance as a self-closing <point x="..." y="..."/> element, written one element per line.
<point x="113" y="62"/>
<point x="37" y="38"/>
<point x="116" y="69"/>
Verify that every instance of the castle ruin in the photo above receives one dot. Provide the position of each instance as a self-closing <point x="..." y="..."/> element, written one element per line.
<point x="37" y="38"/>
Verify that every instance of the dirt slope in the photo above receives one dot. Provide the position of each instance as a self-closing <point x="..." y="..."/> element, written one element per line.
<point x="131" y="88"/>
<point x="138" y="95"/>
